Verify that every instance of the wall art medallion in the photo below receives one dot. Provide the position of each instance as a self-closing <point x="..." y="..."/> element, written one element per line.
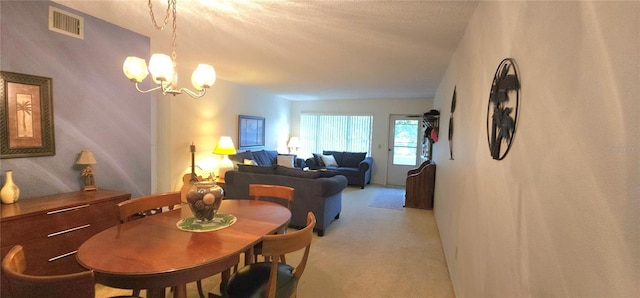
<point x="453" y="108"/>
<point x="502" y="110"/>
<point x="26" y="116"/>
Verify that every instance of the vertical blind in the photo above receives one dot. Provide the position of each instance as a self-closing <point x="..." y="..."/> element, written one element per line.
<point x="350" y="133"/>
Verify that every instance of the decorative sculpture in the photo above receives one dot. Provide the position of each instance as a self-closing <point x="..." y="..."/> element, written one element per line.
<point x="502" y="113"/>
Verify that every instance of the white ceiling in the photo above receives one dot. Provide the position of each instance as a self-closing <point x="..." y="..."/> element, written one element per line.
<point x="305" y="50"/>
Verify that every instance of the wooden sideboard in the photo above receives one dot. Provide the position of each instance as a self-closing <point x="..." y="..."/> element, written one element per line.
<point x="51" y="228"/>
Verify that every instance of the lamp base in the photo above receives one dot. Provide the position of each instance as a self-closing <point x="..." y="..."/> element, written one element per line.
<point x="224" y="166"/>
<point x="89" y="188"/>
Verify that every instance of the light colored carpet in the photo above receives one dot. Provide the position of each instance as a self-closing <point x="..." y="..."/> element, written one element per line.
<point x="368" y="252"/>
<point x="388" y="198"/>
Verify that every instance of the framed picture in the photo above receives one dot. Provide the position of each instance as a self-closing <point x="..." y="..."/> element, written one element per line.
<point x="250" y="131"/>
<point x="26" y="114"/>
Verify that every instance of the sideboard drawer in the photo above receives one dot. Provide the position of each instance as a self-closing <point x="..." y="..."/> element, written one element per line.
<point x="56" y="221"/>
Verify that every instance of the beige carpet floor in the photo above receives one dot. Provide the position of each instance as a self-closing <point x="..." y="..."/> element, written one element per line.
<point x="368" y="252"/>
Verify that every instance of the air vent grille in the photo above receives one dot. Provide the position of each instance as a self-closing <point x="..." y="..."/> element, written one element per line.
<point x="66" y="23"/>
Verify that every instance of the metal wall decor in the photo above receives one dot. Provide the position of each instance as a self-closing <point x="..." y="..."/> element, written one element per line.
<point x="453" y="108"/>
<point x="502" y="111"/>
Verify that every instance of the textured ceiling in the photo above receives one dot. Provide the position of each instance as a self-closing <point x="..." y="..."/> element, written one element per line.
<point x="304" y="50"/>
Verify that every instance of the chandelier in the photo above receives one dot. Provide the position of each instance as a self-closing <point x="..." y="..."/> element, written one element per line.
<point x="163" y="68"/>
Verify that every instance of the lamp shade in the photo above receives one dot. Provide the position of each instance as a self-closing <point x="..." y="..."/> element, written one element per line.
<point x="135" y="69"/>
<point x="203" y="77"/>
<point x="86" y="158"/>
<point x="161" y="68"/>
<point x="225" y="146"/>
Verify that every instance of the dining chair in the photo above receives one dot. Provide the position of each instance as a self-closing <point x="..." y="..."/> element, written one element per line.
<point x="24" y="285"/>
<point x="277" y="193"/>
<point x="274" y="193"/>
<point x="14" y="265"/>
<point x="148" y="205"/>
<point x="274" y="278"/>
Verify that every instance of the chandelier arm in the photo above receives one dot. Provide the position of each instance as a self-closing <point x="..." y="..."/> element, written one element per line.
<point x="147" y="91"/>
<point x="193" y="94"/>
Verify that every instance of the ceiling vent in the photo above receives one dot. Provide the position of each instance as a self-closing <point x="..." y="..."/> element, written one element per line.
<point x="66" y="23"/>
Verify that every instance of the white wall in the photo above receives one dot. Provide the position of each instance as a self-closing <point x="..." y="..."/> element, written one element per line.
<point x="379" y="108"/>
<point x="559" y="216"/>
<point x="183" y="120"/>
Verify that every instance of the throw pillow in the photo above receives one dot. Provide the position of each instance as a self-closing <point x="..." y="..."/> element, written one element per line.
<point x="250" y="162"/>
<point x="318" y="158"/>
<point x="329" y="161"/>
<point x="285" y="161"/>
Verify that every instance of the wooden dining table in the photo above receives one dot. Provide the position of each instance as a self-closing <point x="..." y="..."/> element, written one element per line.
<point x="153" y="253"/>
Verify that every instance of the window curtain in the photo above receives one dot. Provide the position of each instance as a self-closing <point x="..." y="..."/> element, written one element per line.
<point x="351" y="133"/>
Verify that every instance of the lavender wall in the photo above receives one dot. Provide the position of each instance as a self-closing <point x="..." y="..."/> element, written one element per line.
<point x="94" y="105"/>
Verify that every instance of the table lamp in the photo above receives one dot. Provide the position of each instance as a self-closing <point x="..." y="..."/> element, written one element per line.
<point x="294" y="144"/>
<point x="225" y="148"/>
<point x="87" y="159"/>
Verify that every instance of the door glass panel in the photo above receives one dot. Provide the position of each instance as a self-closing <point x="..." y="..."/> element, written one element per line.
<point x="405" y="142"/>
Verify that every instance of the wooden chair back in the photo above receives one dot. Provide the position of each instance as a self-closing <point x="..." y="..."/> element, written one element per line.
<point x="274" y="246"/>
<point x="147" y="205"/>
<point x="14" y="265"/>
<point x="263" y="191"/>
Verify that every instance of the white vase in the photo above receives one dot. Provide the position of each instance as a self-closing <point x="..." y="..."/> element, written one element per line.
<point x="10" y="191"/>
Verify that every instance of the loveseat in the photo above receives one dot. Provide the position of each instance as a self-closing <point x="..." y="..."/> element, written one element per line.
<point x="316" y="191"/>
<point x="356" y="166"/>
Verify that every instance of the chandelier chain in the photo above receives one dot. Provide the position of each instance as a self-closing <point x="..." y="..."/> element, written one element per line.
<point x="170" y="3"/>
<point x="175" y="34"/>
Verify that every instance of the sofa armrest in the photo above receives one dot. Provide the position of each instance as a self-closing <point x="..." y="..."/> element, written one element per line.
<point x="366" y="164"/>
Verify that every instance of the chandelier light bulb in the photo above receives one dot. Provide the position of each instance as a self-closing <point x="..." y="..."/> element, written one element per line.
<point x="203" y="77"/>
<point x="161" y="68"/>
<point x="135" y="69"/>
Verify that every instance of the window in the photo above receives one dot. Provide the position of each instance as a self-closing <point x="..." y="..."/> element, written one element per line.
<point x="351" y="133"/>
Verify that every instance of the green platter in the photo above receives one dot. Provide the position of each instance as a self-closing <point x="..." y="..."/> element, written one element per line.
<point x="220" y="221"/>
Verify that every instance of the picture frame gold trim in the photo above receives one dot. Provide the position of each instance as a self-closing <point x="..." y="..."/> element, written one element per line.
<point x="26" y="115"/>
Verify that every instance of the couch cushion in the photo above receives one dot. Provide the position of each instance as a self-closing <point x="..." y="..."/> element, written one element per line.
<point x="256" y="169"/>
<point x="284" y="171"/>
<point x="241" y="156"/>
<point x="352" y="159"/>
<point x="265" y="157"/>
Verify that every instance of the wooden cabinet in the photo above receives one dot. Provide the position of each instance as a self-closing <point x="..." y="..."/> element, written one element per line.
<point x="419" y="187"/>
<point x="51" y="228"/>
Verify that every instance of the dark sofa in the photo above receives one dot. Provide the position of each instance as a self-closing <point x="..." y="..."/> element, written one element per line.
<point x="315" y="191"/>
<point x="356" y="166"/>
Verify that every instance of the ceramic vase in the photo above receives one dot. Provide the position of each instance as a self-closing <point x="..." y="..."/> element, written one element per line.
<point x="10" y="191"/>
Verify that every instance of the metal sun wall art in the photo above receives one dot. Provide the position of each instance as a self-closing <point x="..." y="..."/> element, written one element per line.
<point x="453" y="108"/>
<point x="502" y="111"/>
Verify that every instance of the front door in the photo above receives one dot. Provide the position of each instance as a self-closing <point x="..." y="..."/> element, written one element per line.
<point x="405" y="149"/>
